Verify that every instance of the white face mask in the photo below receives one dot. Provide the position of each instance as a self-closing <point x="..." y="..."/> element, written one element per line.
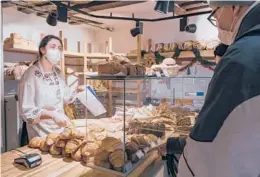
<point x="226" y="37"/>
<point x="53" y="55"/>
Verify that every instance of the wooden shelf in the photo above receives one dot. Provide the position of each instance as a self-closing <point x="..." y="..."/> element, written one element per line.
<point x="119" y="90"/>
<point x="21" y="50"/>
<point x="98" y="55"/>
<point x="34" y="51"/>
<point x="185" y="54"/>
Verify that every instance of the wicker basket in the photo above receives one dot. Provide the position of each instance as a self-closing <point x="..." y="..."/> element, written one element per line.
<point x="172" y="71"/>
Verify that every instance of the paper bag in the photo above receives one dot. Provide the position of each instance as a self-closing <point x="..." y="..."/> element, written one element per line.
<point x="91" y="102"/>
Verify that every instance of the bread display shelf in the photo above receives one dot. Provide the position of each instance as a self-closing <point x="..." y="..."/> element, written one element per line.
<point x="16" y="49"/>
<point x="185" y="54"/>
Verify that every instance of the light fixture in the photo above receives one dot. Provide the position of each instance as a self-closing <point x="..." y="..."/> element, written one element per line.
<point x="52" y="19"/>
<point x="191" y="28"/>
<point x="184" y="26"/>
<point x="164" y="6"/>
<point x="137" y="30"/>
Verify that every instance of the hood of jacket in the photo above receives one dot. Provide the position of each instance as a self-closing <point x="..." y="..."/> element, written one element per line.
<point x="250" y="23"/>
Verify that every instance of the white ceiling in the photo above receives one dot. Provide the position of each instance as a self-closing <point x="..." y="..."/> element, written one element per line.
<point x="140" y="10"/>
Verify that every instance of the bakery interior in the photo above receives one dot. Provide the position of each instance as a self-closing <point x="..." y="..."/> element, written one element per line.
<point x="145" y="65"/>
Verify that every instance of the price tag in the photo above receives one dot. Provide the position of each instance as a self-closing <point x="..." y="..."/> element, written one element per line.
<point x="146" y="150"/>
<point x="159" y="141"/>
<point x="158" y="74"/>
<point x="128" y="166"/>
<point x="139" y="154"/>
<point x="165" y="72"/>
<point x="153" y="144"/>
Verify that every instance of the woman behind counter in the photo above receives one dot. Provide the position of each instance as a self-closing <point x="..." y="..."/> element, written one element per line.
<point x="43" y="92"/>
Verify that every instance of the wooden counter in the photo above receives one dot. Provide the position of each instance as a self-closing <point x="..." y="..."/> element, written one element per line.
<point x="62" y="167"/>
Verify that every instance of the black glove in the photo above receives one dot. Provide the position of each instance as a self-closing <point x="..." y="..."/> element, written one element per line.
<point x="174" y="145"/>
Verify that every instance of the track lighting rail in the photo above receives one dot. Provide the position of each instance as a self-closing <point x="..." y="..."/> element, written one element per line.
<point x="128" y="18"/>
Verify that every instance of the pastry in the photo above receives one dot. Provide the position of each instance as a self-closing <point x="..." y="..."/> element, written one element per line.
<point x="88" y="159"/>
<point x="172" y="47"/>
<point x="131" y="148"/>
<point x="35" y="142"/>
<point x="140" y="140"/>
<point x="140" y="70"/>
<point x="188" y="45"/>
<point x="200" y="45"/>
<point x="117" y="158"/>
<point x="64" y="154"/>
<point x="111" y="68"/>
<point x="71" y="133"/>
<point x="72" y="145"/>
<point x="44" y="147"/>
<point x="52" y="138"/>
<point x="120" y="59"/>
<point x="102" y="155"/>
<point x="184" y="121"/>
<point x="77" y="155"/>
<point x="131" y="69"/>
<point x="95" y="128"/>
<point x="110" y="144"/>
<point x="152" y="137"/>
<point x="61" y="143"/>
<point x="55" y="150"/>
<point x="89" y="148"/>
<point x="102" y="163"/>
<point x="100" y="136"/>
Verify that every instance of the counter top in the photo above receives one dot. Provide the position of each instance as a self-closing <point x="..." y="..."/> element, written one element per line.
<point x="62" y="167"/>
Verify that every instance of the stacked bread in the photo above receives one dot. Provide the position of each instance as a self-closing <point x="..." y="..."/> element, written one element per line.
<point x="187" y="46"/>
<point x="67" y="143"/>
<point x="146" y="127"/>
<point x="120" y="65"/>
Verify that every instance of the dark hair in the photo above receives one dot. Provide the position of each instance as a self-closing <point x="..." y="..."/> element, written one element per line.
<point x="45" y="41"/>
<point x="220" y="50"/>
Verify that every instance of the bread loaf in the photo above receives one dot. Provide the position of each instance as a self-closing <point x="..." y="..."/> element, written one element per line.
<point x="188" y="45"/>
<point x="200" y="45"/>
<point x="120" y="59"/>
<point x="111" y="68"/>
<point x="172" y="47"/>
<point x="35" y="142"/>
<point x="131" y="69"/>
<point x="140" y="70"/>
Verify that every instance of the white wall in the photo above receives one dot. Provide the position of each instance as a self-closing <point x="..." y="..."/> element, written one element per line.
<point x="159" y="32"/>
<point x="30" y="27"/>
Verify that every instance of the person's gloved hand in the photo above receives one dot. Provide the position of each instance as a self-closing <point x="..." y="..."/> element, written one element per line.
<point x="174" y="145"/>
<point x="60" y="119"/>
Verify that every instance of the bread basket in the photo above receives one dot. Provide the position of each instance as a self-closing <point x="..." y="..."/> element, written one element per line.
<point x="170" y="71"/>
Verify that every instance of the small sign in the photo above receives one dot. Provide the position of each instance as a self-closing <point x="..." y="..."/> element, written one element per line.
<point x="158" y="74"/>
<point x="153" y="144"/>
<point x="165" y="72"/>
<point x="159" y="141"/>
<point x="139" y="154"/>
<point x="146" y="150"/>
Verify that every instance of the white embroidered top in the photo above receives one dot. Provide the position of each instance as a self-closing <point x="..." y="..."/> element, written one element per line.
<point x="38" y="89"/>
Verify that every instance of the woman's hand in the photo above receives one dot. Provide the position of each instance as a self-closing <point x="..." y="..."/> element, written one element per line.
<point x="80" y="89"/>
<point x="61" y="119"/>
<point x="49" y="108"/>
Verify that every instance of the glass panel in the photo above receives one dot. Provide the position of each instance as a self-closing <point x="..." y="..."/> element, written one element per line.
<point x="129" y="116"/>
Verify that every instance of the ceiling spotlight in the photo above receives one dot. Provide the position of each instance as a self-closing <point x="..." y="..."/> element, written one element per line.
<point x="52" y="19"/>
<point x="137" y="30"/>
<point x="184" y="26"/>
<point x="164" y="6"/>
<point x="191" y="28"/>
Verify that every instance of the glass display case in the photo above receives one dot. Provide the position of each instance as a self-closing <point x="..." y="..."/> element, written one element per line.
<point x="128" y="117"/>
